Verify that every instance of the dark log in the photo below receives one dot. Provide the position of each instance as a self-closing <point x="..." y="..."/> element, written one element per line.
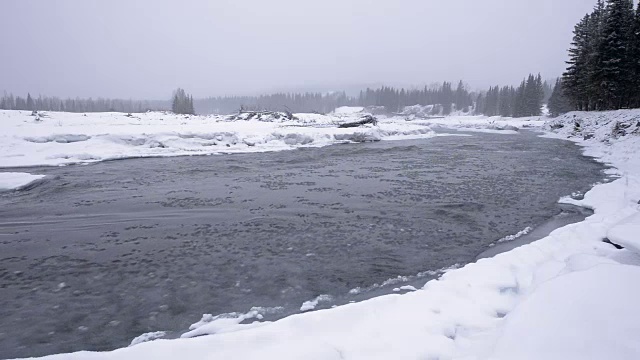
<point x="367" y="119"/>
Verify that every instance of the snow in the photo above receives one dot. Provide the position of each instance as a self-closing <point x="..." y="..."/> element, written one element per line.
<point x="16" y="180"/>
<point x="586" y="304"/>
<point x="150" y="336"/>
<point x="567" y="296"/>
<point x="311" y="304"/>
<point x="520" y="233"/>
<point x="348" y="110"/>
<point x="58" y="138"/>
<point x="405" y="288"/>
<point x="627" y="233"/>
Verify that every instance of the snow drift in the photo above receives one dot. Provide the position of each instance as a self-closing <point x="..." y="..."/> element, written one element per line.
<point x="66" y="138"/>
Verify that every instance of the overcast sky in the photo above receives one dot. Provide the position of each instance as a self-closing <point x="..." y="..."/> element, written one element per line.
<point x="144" y="49"/>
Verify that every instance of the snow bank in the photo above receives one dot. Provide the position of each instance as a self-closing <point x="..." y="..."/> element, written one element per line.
<point x="592" y="317"/>
<point x="494" y="124"/>
<point x="567" y="296"/>
<point x="65" y="138"/>
<point x="17" y="180"/>
<point x="627" y="233"/>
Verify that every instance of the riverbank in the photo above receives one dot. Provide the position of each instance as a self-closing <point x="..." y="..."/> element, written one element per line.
<point x="59" y="138"/>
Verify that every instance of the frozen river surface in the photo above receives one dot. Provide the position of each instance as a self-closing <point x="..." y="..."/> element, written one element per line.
<point x="98" y="254"/>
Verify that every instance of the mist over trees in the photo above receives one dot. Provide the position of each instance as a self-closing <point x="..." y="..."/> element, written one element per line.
<point x="525" y="100"/>
<point x="603" y="70"/>
<point x="396" y="99"/>
<point x="392" y="99"/>
<point x="182" y="103"/>
<point x="45" y="103"/>
<point x="306" y="102"/>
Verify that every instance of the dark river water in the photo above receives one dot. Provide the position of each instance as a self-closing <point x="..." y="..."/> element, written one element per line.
<point x="98" y="254"/>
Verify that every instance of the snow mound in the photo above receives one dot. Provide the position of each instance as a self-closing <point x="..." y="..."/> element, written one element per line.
<point x="311" y="304"/>
<point x="589" y="319"/>
<point x="150" y="336"/>
<point x="420" y="111"/>
<point x="17" y="180"/>
<point x="627" y="233"/>
<point x="229" y="322"/>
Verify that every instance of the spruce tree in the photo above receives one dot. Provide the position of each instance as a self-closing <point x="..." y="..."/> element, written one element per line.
<point x="634" y="56"/>
<point x="614" y="67"/>
<point x="30" y="105"/>
<point x="576" y="76"/>
<point x="182" y="103"/>
<point x="519" y="107"/>
<point x="480" y="103"/>
<point x="558" y="102"/>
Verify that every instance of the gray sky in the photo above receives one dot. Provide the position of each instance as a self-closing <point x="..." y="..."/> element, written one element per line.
<point x="146" y="48"/>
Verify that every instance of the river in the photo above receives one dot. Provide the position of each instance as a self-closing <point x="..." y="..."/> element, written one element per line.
<point x="98" y="254"/>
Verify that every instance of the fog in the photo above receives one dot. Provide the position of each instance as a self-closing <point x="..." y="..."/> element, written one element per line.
<point x="144" y="49"/>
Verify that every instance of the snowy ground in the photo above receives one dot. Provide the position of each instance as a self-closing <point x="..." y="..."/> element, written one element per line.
<point x="567" y="296"/>
<point x="55" y="138"/>
<point x="64" y="138"/>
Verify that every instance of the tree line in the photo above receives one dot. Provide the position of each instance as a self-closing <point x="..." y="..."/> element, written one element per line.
<point x="603" y="70"/>
<point x="525" y="100"/>
<point x="46" y="103"/>
<point x="395" y="100"/>
<point x="297" y="103"/>
<point x="392" y="99"/>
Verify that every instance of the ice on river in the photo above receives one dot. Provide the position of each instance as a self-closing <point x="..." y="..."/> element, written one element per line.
<point x="17" y="180"/>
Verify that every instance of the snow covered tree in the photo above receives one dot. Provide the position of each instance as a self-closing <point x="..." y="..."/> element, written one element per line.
<point x="480" y="103"/>
<point x="505" y="102"/>
<point x="519" y="103"/>
<point x="575" y="77"/>
<point x="462" y="98"/>
<point x="634" y="56"/>
<point x="603" y="58"/>
<point x="182" y="103"/>
<point x="614" y="68"/>
<point x="30" y="104"/>
<point x="558" y="102"/>
<point x="447" y="98"/>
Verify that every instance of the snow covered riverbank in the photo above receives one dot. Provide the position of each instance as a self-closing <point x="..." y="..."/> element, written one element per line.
<point x="65" y="138"/>
<point x="56" y="138"/>
<point x="567" y="296"/>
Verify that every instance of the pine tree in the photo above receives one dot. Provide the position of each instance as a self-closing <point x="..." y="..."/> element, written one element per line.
<point x="505" y="102"/>
<point x="614" y="67"/>
<point x="480" y="103"/>
<point x="558" y="102"/>
<point x="576" y="76"/>
<point x="634" y="56"/>
<point x="519" y="106"/>
<point x="536" y="108"/>
<point x="30" y="104"/>
<point x="182" y="103"/>
<point x="447" y="98"/>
